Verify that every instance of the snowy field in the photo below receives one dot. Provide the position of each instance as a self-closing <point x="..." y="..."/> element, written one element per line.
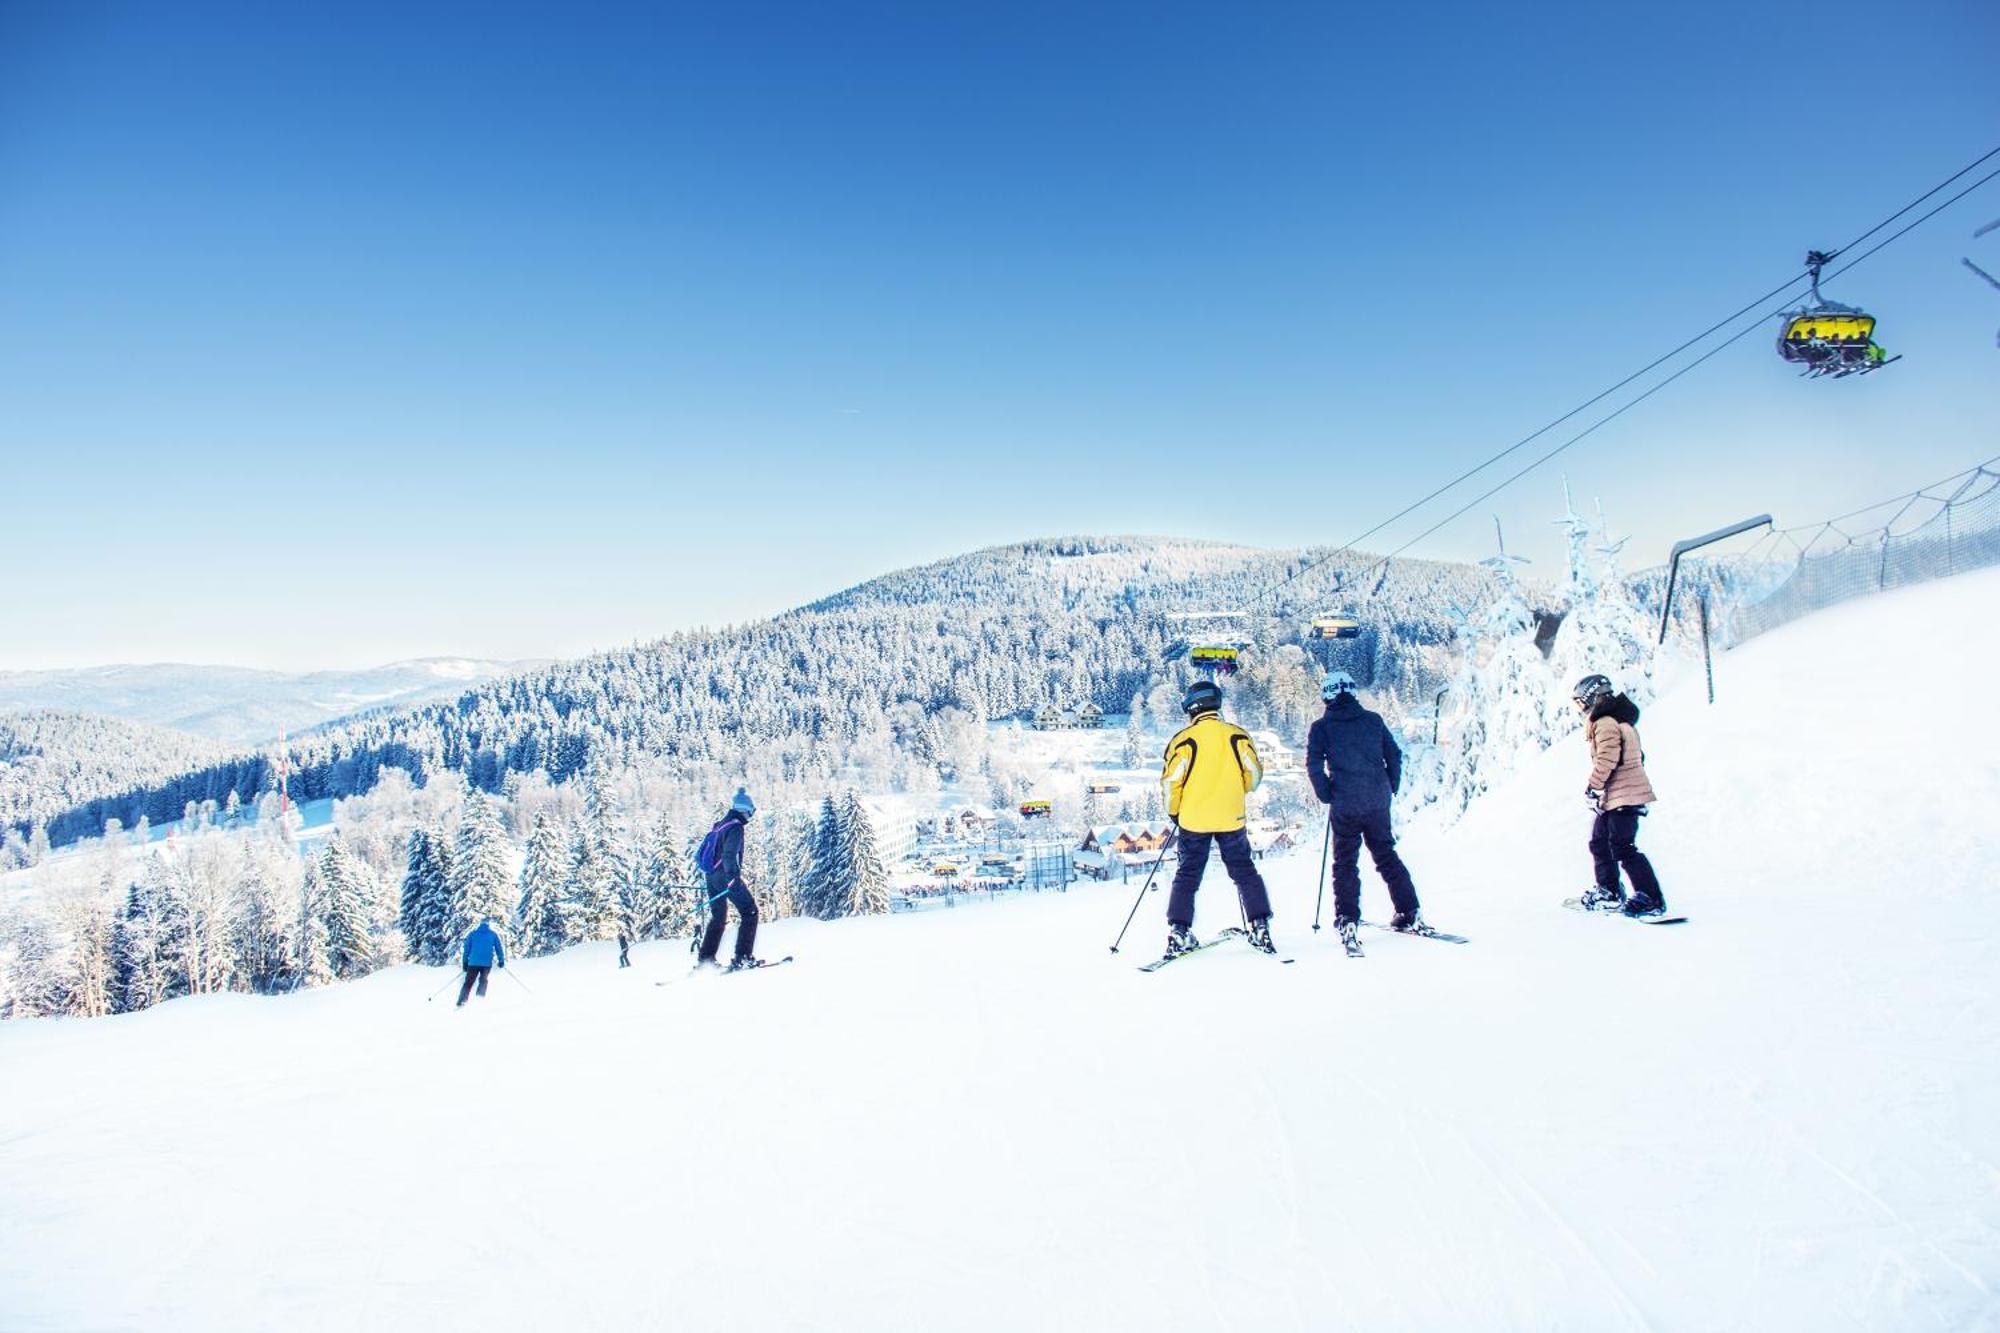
<point x="1783" y="1115"/>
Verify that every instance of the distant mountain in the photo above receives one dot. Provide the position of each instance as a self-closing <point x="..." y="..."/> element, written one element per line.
<point x="242" y="707"/>
<point x="877" y="686"/>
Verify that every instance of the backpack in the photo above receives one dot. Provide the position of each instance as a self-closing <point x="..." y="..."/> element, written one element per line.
<point x="711" y="848"/>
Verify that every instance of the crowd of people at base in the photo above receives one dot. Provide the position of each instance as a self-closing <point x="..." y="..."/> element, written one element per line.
<point x="1209" y="770"/>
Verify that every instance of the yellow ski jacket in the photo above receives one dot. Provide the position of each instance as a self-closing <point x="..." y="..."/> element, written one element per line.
<point x="1210" y="767"/>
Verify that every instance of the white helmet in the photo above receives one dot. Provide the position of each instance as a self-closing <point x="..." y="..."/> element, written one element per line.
<point x="1336" y="683"/>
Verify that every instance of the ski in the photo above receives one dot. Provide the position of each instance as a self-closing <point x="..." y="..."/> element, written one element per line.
<point x="1231" y="932"/>
<point x="759" y="963"/>
<point x="1427" y="933"/>
<point x="1576" y="905"/>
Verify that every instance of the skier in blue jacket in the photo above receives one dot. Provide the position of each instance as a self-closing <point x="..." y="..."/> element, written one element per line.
<point x="722" y="860"/>
<point x="483" y="952"/>
<point x="1355" y="767"/>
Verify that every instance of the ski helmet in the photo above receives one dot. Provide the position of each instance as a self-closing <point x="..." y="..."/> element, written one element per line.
<point x="1592" y="688"/>
<point x="1335" y="683"/>
<point x="1204" y="696"/>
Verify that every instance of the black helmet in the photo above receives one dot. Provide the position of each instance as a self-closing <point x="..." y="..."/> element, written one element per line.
<point x="1591" y="689"/>
<point x="1204" y="696"/>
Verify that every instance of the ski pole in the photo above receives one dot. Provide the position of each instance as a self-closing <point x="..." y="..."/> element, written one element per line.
<point x="1143" y="889"/>
<point x="517" y="981"/>
<point x="440" y="990"/>
<point x="1319" y="895"/>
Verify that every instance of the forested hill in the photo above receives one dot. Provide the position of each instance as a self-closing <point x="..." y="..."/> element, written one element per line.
<point x="52" y="762"/>
<point x="872" y="683"/>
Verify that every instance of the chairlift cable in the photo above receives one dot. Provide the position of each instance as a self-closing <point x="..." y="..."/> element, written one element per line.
<point x="1522" y="443"/>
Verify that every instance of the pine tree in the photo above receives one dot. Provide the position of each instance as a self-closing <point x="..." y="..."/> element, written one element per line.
<point x="260" y="943"/>
<point x="825" y="884"/>
<point x="541" y="921"/>
<point x="141" y="941"/>
<point x="868" y="891"/>
<point x="350" y="942"/>
<point x="314" y="961"/>
<point x="480" y="884"/>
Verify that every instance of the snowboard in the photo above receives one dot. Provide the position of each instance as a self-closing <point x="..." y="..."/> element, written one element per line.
<point x="1576" y="905"/>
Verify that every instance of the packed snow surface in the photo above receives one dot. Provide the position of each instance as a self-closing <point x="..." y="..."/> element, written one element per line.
<point x="1782" y="1115"/>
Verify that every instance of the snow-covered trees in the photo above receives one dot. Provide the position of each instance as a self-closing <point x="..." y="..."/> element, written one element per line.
<point x="345" y="897"/>
<point x="425" y="917"/>
<point x="480" y="880"/>
<point x="867" y="880"/>
<point x="541" y="918"/>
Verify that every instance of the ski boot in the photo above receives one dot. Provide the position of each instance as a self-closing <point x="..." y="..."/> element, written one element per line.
<point x="742" y="964"/>
<point x="1350" y="938"/>
<point x="1410" y="923"/>
<point x="1180" y="940"/>
<point x="1260" y="935"/>
<point x="1641" y="904"/>
<point x="1598" y="899"/>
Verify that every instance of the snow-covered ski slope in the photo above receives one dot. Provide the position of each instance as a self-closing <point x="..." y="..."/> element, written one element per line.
<point x="1783" y="1115"/>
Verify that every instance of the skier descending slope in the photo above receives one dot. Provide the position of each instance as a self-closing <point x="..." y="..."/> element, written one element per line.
<point x="1355" y="768"/>
<point x="1210" y="767"/>
<point x="482" y="953"/>
<point x="1619" y="792"/>
<point x="721" y="860"/>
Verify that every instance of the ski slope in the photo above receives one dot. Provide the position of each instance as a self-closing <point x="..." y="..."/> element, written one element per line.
<point x="1783" y="1115"/>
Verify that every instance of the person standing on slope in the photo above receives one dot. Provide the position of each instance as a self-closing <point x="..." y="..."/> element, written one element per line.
<point x="483" y="952"/>
<point x="1619" y="792"/>
<point x="721" y="860"/>
<point x="1355" y="767"/>
<point x="1210" y="766"/>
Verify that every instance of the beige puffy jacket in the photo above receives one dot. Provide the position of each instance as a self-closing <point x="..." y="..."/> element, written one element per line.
<point x="1618" y="763"/>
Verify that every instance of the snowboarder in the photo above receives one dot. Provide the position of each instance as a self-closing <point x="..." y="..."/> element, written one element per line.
<point x="1619" y="792"/>
<point x="1210" y="766"/>
<point x="483" y="952"/>
<point x="1355" y="767"/>
<point x="721" y="860"/>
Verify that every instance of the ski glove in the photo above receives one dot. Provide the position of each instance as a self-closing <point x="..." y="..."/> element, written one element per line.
<point x="1594" y="796"/>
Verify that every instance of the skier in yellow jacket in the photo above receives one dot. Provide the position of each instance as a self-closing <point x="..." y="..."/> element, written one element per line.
<point x="1210" y="767"/>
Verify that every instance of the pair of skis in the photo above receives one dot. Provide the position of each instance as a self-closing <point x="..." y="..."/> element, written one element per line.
<point x="757" y="965"/>
<point x="1427" y="932"/>
<point x="1577" y="905"/>
<point x="1220" y="937"/>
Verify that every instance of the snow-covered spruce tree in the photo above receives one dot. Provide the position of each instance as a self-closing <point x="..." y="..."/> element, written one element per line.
<point x="828" y="885"/>
<point x="661" y="884"/>
<point x="1500" y="698"/>
<point x="314" y="964"/>
<point x="775" y="854"/>
<point x="350" y="938"/>
<point x="39" y="981"/>
<point x="423" y="883"/>
<point x="1603" y="630"/>
<point x="144" y="944"/>
<point x="481" y="886"/>
<point x="541" y="922"/>
<point x="260" y="920"/>
<point x="868" y="891"/>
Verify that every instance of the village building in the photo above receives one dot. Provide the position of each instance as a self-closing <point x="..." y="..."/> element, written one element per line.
<point x="1111" y="851"/>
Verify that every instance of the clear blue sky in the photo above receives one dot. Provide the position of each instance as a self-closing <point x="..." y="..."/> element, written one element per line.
<point x="331" y="334"/>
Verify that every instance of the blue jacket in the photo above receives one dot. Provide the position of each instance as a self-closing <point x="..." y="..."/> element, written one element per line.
<point x="1352" y="759"/>
<point x="482" y="948"/>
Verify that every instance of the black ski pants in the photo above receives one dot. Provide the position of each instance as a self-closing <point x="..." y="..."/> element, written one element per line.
<point x="473" y="974"/>
<point x="1351" y="828"/>
<point x="1235" y="849"/>
<point x="718" y="916"/>
<point x="1614" y="842"/>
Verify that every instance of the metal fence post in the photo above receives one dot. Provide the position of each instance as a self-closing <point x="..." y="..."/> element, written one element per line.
<point x="1707" y="661"/>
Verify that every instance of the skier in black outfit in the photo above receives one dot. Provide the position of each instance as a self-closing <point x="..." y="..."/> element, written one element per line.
<point x="1355" y="768"/>
<point x="723" y="859"/>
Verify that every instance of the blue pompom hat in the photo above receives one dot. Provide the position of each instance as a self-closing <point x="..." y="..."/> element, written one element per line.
<point x="742" y="804"/>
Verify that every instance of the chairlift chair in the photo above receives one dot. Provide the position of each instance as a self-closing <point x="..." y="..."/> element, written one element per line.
<point x="1828" y="338"/>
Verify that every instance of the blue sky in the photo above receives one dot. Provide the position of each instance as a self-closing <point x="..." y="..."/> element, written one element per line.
<point x="335" y="334"/>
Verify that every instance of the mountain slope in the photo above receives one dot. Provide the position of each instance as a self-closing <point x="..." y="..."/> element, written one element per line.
<point x="1783" y="1115"/>
<point x="51" y="762"/>
<point x="238" y="706"/>
<point x="853" y="680"/>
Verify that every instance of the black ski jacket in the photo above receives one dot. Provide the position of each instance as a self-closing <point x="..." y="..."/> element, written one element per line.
<point x="1351" y="758"/>
<point x="728" y="872"/>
